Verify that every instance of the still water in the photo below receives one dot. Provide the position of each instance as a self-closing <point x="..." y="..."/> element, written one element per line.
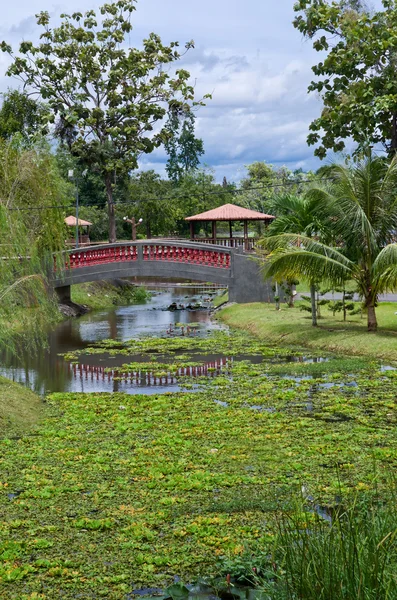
<point x="46" y="371"/>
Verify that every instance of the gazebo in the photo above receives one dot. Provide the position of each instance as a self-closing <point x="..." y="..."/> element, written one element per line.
<point x="229" y="213"/>
<point x="84" y="236"/>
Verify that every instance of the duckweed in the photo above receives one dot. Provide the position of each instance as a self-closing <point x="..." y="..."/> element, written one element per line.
<point x="114" y="492"/>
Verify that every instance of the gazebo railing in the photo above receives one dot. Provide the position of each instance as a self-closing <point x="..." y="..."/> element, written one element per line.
<point x="248" y="244"/>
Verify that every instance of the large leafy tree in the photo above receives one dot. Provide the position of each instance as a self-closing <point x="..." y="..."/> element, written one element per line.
<point x="264" y="181"/>
<point x="182" y="146"/>
<point x="108" y="100"/>
<point x="362" y="208"/>
<point x="357" y="78"/>
<point x="150" y="201"/>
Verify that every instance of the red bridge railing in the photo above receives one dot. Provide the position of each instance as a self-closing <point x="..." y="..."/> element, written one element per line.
<point x="195" y="256"/>
<point x="177" y="253"/>
<point x="99" y="256"/>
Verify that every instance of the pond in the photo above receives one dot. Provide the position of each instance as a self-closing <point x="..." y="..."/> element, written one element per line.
<point x="47" y="371"/>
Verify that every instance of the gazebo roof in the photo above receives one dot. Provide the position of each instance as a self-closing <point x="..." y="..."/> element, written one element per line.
<point x="230" y="212"/>
<point x="71" y="222"/>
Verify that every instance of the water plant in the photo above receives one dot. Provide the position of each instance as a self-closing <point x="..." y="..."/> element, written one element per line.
<point x="114" y="491"/>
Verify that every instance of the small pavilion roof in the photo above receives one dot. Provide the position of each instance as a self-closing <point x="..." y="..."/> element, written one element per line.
<point x="230" y="212"/>
<point x="71" y="222"/>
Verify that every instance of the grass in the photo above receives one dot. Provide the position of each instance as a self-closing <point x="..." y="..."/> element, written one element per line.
<point x="353" y="557"/>
<point x="115" y="492"/>
<point x="220" y="299"/>
<point x="102" y="295"/>
<point x="290" y="326"/>
<point x="20" y="408"/>
<point x="304" y="287"/>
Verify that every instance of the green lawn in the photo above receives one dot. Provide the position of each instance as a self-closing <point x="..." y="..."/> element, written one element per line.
<point x="293" y="327"/>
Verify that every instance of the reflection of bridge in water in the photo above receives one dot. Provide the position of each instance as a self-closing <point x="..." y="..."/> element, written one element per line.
<point x="144" y="377"/>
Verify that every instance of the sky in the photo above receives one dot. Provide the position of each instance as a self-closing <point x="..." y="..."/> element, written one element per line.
<point x="247" y="55"/>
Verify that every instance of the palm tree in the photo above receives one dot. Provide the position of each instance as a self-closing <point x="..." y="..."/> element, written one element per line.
<point x="298" y="214"/>
<point x="361" y="209"/>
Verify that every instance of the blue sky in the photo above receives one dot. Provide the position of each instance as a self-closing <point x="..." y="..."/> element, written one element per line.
<point x="247" y="54"/>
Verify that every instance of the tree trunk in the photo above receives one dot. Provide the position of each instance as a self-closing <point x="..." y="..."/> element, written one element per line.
<point x="314" y="304"/>
<point x="393" y="142"/>
<point x="290" y="292"/>
<point x="111" y="211"/>
<point x="148" y="230"/>
<point x="344" y="305"/>
<point x="372" y="322"/>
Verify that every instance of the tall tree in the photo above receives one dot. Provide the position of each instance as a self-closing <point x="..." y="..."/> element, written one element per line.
<point x="150" y="201"/>
<point x="362" y="205"/>
<point x="107" y="98"/>
<point x="182" y="146"/>
<point x="357" y="79"/>
<point x="20" y="114"/>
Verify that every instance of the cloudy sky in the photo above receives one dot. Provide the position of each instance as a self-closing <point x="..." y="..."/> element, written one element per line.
<point x="247" y="54"/>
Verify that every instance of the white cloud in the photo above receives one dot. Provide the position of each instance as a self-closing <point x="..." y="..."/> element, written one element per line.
<point x="248" y="55"/>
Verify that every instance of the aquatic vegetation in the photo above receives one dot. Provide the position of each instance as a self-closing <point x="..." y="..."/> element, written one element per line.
<point x="113" y="492"/>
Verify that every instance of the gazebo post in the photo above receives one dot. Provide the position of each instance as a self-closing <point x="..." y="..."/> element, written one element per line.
<point x="246" y="235"/>
<point x="231" y="234"/>
<point x="192" y="230"/>
<point x="214" y="232"/>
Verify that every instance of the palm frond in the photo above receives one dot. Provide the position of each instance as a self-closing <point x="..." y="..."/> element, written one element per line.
<point x="384" y="269"/>
<point x="291" y="240"/>
<point x="309" y="265"/>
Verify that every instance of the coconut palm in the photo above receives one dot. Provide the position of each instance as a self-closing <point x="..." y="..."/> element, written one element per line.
<point x="302" y="215"/>
<point x="361" y="209"/>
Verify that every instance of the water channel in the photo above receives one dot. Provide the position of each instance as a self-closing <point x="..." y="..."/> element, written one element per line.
<point x="46" y="371"/>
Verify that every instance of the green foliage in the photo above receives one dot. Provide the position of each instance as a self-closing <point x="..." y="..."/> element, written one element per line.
<point x="249" y="567"/>
<point x="148" y="201"/>
<point x="102" y="294"/>
<point x="295" y="213"/>
<point x="362" y="211"/>
<point x="108" y="98"/>
<point x="357" y="78"/>
<point x="353" y="556"/>
<point x="30" y="234"/>
<point x="264" y="182"/>
<point x="183" y="148"/>
<point x="20" y="114"/>
<point x="114" y="484"/>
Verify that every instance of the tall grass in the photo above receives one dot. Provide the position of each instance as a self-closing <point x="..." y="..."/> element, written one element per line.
<point x="352" y="556"/>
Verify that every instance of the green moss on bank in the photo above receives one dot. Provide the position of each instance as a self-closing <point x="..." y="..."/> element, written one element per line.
<point x="102" y="294"/>
<point x="290" y="326"/>
<point x="20" y="408"/>
<point x="220" y="299"/>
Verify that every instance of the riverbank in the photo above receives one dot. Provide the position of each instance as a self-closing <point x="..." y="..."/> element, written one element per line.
<point x="20" y="409"/>
<point x="292" y="327"/>
<point x="100" y="295"/>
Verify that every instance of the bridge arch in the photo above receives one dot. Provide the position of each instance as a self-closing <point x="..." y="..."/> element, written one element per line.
<point x="165" y="260"/>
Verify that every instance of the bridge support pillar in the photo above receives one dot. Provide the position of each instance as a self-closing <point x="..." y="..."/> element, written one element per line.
<point x="248" y="283"/>
<point x="63" y="294"/>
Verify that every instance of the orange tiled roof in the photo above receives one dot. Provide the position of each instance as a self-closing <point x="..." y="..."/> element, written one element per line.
<point x="71" y="222"/>
<point x="230" y="212"/>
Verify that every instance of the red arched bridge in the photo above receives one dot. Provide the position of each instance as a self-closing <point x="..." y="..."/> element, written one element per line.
<point x="231" y="267"/>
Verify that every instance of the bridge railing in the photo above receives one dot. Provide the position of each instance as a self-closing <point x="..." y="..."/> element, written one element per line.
<point x="148" y="250"/>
